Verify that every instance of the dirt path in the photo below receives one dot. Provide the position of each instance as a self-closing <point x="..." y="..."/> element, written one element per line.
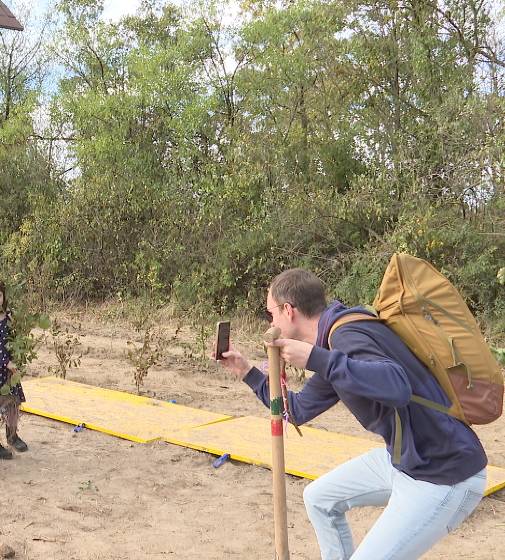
<point x="89" y="496"/>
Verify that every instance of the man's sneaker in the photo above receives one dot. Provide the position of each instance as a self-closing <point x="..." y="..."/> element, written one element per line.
<point x="5" y="453"/>
<point x="17" y="443"/>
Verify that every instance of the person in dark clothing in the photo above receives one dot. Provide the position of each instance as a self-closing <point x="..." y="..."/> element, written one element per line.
<point x="429" y="483"/>
<point x="9" y="402"/>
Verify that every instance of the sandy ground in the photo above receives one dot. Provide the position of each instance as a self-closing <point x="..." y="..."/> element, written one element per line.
<point x="90" y="496"/>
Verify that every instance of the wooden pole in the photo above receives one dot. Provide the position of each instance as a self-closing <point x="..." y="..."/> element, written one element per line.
<point x="278" y="469"/>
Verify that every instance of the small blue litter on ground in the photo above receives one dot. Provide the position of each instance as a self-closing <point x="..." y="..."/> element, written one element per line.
<point x="221" y="460"/>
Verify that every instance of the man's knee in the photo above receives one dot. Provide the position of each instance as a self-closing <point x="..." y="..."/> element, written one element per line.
<point x="312" y="494"/>
<point x="317" y="495"/>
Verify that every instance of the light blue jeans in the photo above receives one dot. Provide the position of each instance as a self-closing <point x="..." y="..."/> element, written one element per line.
<point x="417" y="513"/>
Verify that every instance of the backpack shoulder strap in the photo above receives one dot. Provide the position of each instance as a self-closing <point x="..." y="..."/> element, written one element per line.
<point x="349" y="318"/>
<point x="397" y="446"/>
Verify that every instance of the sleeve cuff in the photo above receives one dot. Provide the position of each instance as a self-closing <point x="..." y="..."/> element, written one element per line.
<point x="254" y="378"/>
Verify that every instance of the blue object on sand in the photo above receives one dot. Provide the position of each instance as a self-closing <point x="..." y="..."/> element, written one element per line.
<point x="221" y="460"/>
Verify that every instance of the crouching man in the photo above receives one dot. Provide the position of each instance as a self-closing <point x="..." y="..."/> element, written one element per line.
<point x="431" y="474"/>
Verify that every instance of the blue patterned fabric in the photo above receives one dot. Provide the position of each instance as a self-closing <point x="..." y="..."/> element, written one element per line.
<point x="17" y="390"/>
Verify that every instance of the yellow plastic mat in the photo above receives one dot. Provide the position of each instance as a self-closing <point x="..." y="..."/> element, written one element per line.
<point x="119" y="414"/>
<point x="246" y="439"/>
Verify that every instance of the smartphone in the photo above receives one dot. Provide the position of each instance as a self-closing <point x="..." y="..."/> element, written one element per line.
<point x="222" y="338"/>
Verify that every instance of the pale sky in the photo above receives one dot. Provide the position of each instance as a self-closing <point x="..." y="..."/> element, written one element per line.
<point x="114" y="10"/>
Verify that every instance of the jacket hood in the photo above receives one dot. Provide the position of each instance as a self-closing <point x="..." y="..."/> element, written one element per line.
<point x="330" y="315"/>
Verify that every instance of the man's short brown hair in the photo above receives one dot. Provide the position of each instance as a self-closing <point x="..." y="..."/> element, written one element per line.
<point x="302" y="289"/>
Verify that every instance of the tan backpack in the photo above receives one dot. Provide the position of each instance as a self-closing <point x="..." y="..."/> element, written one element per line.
<point x="426" y="311"/>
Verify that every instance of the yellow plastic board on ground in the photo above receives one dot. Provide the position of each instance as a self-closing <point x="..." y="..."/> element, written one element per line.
<point x="246" y="439"/>
<point x="131" y="417"/>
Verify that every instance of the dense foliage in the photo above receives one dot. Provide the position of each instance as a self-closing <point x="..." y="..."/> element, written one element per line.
<point x="188" y="157"/>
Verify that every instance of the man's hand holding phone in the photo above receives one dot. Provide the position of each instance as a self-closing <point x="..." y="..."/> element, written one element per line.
<point x="226" y="355"/>
<point x="235" y="363"/>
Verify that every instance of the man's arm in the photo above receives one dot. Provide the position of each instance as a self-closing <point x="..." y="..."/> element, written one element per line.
<point x="316" y="396"/>
<point x="363" y="369"/>
<point x="360" y="367"/>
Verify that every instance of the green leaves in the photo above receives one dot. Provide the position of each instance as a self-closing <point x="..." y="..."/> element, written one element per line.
<point x="499" y="354"/>
<point x="66" y="347"/>
<point x="5" y="389"/>
<point x="43" y="321"/>
<point x="15" y="379"/>
<point x="22" y="342"/>
<point x="208" y="155"/>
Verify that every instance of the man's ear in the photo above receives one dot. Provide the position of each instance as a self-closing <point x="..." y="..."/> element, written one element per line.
<point x="290" y="311"/>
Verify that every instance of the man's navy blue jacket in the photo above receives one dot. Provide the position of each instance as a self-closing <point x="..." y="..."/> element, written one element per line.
<point x="373" y="373"/>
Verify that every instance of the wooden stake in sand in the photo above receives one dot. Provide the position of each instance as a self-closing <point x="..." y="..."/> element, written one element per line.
<point x="279" y="483"/>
